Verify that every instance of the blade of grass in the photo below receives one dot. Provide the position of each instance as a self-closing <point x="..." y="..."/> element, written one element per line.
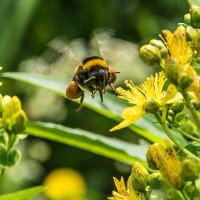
<point x="111" y="107"/>
<point x="23" y="194"/>
<point x="14" y="26"/>
<point x="108" y="147"/>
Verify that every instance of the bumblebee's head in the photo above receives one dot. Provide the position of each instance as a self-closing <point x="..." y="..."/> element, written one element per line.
<point x="93" y="74"/>
<point x="92" y="62"/>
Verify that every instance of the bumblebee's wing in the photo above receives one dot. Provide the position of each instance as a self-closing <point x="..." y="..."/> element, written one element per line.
<point x="59" y="59"/>
<point x="123" y="56"/>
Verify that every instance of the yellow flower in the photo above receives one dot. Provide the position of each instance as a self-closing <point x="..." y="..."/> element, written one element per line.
<point x="183" y="53"/>
<point x="195" y="86"/>
<point x="178" y="46"/>
<point x="145" y="98"/>
<point x="123" y="193"/>
<point x="165" y="159"/>
<point x="65" y="183"/>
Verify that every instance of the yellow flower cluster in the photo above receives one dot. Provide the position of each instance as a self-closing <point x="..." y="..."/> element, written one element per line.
<point x="181" y="54"/>
<point x="14" y="119"/>
<point x="148" y="97"/>
<point x="166" y="94"/>
<point x="123" y="193"/>
<point x="164" y="158"/>
<point x="178" y="46"/>
<point x="176" y="64"/>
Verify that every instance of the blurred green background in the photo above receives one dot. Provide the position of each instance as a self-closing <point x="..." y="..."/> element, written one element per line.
<point x="27" y="27"/>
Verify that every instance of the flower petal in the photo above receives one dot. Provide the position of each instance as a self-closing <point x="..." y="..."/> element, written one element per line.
<point x="130" y="114"/>
<point x="178" y="46"/>
<point x="172" y="95"/>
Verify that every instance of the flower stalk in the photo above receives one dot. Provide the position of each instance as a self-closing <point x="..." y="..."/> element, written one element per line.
<point x="170" y="135"/>
<point x="193" y="111"/>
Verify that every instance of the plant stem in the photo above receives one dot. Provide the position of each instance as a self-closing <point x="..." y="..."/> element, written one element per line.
<point x="146" y="196"/>
<point x="177" y="143"/>
<point x="192" y="109"/>
<point x="188" y="135"/>
<point x="147" y="193"/>
<point x="185" y="195"/>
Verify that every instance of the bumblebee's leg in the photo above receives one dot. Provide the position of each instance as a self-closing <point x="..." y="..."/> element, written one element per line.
<point x="87" y="81"/>
<point x="93" y="91"/>
<point x="101" y="95"/>
<point x="112" y="87"/>
<point x="81" y="102"/>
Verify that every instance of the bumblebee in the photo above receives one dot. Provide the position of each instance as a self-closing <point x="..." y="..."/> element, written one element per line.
<point x="93" y="74"/>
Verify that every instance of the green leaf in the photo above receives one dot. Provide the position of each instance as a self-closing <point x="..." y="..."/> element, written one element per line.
<point x="194" y="2"/>
<point x="111" y="107"/>
<point x="3" y="153"/>
<point x="13" y="157"/>
<point x="109" y="147"/>
<point x="23" y="194"/>
<point x="21" y="12"/>
<point x="194" y="147"/>
<point x="8" y="159"/>
<point x="174" y="194"/>
<point x="196" y="65"/>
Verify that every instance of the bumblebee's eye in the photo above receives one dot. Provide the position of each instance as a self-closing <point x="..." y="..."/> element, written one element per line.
<point x="94" y="74"/>
<point x="102" y="72"/>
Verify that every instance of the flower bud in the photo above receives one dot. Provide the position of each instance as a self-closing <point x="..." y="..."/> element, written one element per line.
<point x="152" y="151"/>
<point x="13" y="118"/>
<point x="165" y="159"/>
<point x="171" y="70"/>
<point x="170" y="113"/>
<point x="154" y="179"/>
<point x="150" y="55"/>
<point x="187" y="18"/>
<point x="160" y="45"/>
<point x="190" y="33"/>
<point x="139" y="177"/>
<point x="190" y="170"/>
<point x="157" y="43"/>
<point x="18" y="123"/>
<point x="196" y="104"/>
<point x="182" y="119"/>
<point x="6" y="99"/>
<point x="189" y="127"/>
<point x="195" y="16"/>
<point x="184" y="81"/>
<point x="196" y="40"/>
<point x="177" y="106"/>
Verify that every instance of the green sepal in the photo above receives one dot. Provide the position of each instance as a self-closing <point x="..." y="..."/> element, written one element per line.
<point x="196" y="65"/>
<point x="173" y="194"/>
<point x="3" y="155"/>
<point x="181" y="119"/>
<point x="190" y="189"/>
<point x="2" y="138"/>
<point x="14" y="156"/>
<point x="8" y="159"/>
